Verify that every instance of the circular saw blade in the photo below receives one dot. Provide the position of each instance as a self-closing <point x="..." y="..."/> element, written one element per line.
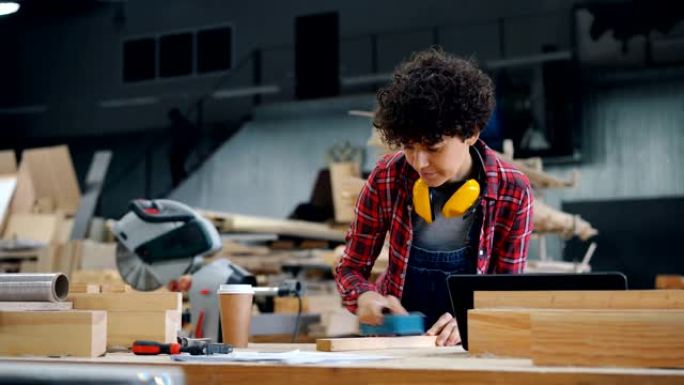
<point x="146" y="277"/>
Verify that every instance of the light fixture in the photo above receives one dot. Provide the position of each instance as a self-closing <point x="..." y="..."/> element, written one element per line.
<point x="8" y="7"/>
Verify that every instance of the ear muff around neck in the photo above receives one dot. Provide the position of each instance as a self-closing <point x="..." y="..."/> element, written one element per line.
<point x="457" y="205"/>
<point x="422" y="200"/>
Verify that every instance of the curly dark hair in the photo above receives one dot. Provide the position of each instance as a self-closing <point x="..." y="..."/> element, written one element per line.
<point x="434" y="94"/>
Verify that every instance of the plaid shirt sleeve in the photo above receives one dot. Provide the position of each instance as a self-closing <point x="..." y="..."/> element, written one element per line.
<point x="510" y="253"/>
<point x="364" y="240"/>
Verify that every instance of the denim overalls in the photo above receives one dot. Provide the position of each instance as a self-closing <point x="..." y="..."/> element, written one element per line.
<point x="425" y="285"/>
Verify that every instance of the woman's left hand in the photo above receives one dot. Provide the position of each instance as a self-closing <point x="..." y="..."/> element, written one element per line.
<point x="446" y="331"/>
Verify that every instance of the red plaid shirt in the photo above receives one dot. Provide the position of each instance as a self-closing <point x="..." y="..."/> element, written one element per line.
<point x="385" y="204"/>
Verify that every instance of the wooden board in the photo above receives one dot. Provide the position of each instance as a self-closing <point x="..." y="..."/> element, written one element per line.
<point x="664" y="281"/>
<point x="8" y="162"/>
<point x="34" y="227"/>
<point x="156" y="301"/>
<point x="504" y="333"/>
<point x="124" y="327"/>
<point x="373" y="343"/>
<point x="228" y="222"/>
<point x="116" y="288"/>
<point x="35" y="306"/>
<point x="608" y="299"/>
<point x="100" y="277"/>
<point x="96" y="255"/>
<point x="340" y="172"/>
<point x="625" y="338"/>
<point x="80" y="287"/>
<point x="67" y="258"/>
<point x="64" y="230"/>
<point x="87" y="255"/>
<point x="550" y="220"/>
<point x="74" y="333"/>
<point x="46" y="182"/>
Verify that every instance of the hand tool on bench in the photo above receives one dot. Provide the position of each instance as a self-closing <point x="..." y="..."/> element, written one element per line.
<point x="151" y="348"/>
<point x="397" y="331"/>
<point x="396" y="325"/>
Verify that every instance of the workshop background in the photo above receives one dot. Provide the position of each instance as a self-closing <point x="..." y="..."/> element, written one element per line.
<point x="257" y="113"/>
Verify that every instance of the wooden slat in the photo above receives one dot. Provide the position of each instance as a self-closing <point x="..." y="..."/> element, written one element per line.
<point x="8" y="162"/>
<point x="124" y="327"/>
<point x="608" y="299"/>
<point x="626" y="338"/>
<point x="116" y="288"/>
<point x="100" y="277"/>
<point x="373" y="343"/>
<point x="550" y="220"/>
<point x="35" y="306"/>
<point x="229" y="222"/>
<point x="35" y="227"/>
<point x="74" y="333"/>
<point x="81" y="287"/>
<point x="665" y="281"/>
<point x="342" y="202"/>
<point x="47" y="181"/>
<point x="500" y="332"/>
<point x="128" y="301"/>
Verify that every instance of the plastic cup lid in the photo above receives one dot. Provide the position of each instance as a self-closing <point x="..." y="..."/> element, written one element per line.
<point x="235" y="289"/>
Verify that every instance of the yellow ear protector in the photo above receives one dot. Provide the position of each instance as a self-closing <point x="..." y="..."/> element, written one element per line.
<point x="459" y="204"/>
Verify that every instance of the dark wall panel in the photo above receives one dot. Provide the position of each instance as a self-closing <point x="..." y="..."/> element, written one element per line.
<point x="641" y="237"/>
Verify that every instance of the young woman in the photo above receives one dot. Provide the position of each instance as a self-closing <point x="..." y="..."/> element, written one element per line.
<point x="449" y="204"/>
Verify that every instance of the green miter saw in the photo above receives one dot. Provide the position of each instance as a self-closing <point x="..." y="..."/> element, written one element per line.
<point x="161" y="240"/>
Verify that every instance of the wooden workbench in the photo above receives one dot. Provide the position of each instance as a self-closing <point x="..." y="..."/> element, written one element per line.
<point x="428" y="366"/>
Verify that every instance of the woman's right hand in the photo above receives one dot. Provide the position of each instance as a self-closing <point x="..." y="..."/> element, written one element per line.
<point x="371" y="305"/>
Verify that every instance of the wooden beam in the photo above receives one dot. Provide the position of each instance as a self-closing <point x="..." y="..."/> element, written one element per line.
<point x="46" y="182"/>
<point x="501" y="332"/>
<point x="128" y="301"/>
<point x="541" y="179"/>
<point x="340" y="174"/>
<point x="8" y="162"/>
<point x="625" y="338"/>
<point x="227" y="222"/>
<point x="600" y="299"/>
<point x="35" y="306"/>
<point x="664" y="281"/>
<point x="116" y="288"/>
<point x="373" y="343"/>
<point x="34" y="227"/>
<point x="124" y="327"/>
<point x="60" y="333"/>
<point x="550" y="220"/>
<point x="81" y="287"/>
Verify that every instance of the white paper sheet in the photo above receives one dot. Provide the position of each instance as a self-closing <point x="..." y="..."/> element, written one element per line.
<point x="293" y="357"/>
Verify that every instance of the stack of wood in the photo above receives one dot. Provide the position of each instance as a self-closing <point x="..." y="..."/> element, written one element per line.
<point x="35" y="320"/>
<point x="92" y="320"/>
<point x="37" y="207"/>
<point x="131" y="316"/>
<point x="639" y="328"/>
